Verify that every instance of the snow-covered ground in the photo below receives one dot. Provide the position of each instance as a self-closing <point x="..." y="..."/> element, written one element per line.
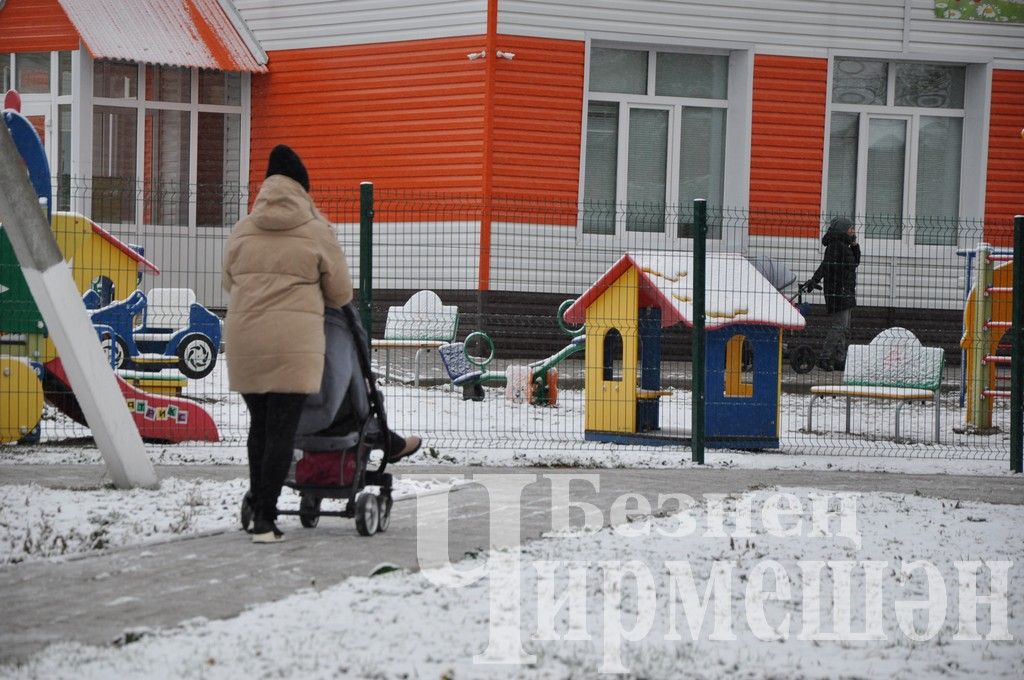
<point x="39" y="522"/>
<point x="868" y="585"/>
<point x="495" y="432"/>
<point x="466" y="431"/>
<point x="413" y="625"/>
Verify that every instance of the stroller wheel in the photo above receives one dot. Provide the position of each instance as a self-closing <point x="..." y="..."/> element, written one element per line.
<point x="246" y="512"/>
<point x="803" y="359"/>
<point x="384" y="503"/>
<point x="309" y="510"/>
<point x="367" y="514"/>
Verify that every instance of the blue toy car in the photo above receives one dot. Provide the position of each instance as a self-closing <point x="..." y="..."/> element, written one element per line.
<point x="176" y="331"/>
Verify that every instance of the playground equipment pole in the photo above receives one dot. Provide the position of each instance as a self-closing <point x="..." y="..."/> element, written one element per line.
<point x="979" y="410"/>
<point x="700" y="232"/>
<point x="366" y="256"/>
<point x="49" y="280"/>
<point x="1017" y="361"/>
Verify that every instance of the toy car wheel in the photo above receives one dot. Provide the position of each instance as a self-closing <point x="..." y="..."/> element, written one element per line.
<point x="384" y="504"/>
<point x="367" y="514"/>
<point x="803" y="359"/>
<point x="247" y="511"/>
<point x="196" y="356"/>
<point x="309" y="510"/>
<point x="120" y="349"/>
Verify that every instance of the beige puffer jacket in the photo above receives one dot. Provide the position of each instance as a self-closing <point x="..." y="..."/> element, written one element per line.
<point x="282" y="264"/>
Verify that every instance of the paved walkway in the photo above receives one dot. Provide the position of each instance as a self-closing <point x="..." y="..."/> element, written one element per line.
<point x="95" y="599"/>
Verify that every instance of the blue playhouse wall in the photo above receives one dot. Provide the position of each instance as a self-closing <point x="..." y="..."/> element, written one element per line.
<point x="743" y="422"/>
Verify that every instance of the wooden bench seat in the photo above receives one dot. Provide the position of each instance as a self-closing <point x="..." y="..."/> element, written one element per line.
<point x="893" y="366"/>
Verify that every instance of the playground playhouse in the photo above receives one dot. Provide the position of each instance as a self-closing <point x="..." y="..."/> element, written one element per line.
<point x="625" y="312"/>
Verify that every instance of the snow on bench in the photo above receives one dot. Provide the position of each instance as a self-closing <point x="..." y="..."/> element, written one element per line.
<point x="422" y="323"/>
<point x="167" y="311"/>
<point x="894" y="365"/>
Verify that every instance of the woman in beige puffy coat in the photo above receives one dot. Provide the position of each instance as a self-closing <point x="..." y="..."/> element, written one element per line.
<point x="282" y="265"/>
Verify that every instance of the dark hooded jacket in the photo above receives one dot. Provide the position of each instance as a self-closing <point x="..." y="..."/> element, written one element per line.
<point x="838" y="267"/>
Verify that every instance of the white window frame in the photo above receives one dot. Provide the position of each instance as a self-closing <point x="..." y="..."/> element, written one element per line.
<point x="48" y="104"/>
<point x="141" y="105"/>
<point x="968" y="209"/>
<point x="737" y="103"/>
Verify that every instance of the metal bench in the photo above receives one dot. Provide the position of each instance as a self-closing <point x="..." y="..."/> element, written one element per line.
<point x="893" y="366"/>
<point x="422" y="324"/>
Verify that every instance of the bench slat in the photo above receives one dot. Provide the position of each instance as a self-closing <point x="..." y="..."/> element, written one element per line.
<point x="876" y="392"/>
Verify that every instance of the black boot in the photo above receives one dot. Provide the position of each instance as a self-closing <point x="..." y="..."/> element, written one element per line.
<point x="265" y="531"/>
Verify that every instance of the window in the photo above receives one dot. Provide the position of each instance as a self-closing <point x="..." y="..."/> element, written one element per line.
<point x="5" y="71"/>
<point x="895" y="148"/>
<point x="165" y="176"/>
<point x="219" y="180"/>
<point x="115" y="80"/>
<point x="113" y="164"/>
<point x="656" y="138"/>
<point x="187" y="124"/>
<point x="739" y="360"/>
<point x="64" y="73"/>
<point x="63" y="199"/>
<point x="612" y="356"/>
<point x="32" y="72"/>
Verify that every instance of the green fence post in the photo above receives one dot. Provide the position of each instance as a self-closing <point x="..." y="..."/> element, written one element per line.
<point x="366" y="256"/>
<point x="1017" y="361"/>
<point x="700" y="233"/>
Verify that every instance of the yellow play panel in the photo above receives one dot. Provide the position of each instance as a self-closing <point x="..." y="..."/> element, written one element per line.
<point x="21" y="400"/>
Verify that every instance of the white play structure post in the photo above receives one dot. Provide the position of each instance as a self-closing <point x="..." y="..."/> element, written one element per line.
<point x="49" y="279"/>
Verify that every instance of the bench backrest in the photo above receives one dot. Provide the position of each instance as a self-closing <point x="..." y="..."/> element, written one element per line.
<point x="422" y="317"/>
<point x="894" y="358"/>
<point x="169" y="307"/>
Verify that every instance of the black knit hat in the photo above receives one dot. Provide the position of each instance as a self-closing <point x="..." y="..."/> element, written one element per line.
<point x="839" y="225"/>
<point x="284" y="161"/>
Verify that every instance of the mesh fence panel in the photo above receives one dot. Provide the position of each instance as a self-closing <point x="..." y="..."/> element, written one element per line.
<point x="523" y="376"/>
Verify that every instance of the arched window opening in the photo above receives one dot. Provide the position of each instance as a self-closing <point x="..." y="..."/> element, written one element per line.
<point x="613" y="355"/>
<point x="739" y="354"/>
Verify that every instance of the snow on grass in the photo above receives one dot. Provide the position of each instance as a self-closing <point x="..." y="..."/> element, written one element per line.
<point x="455" y="426"/>
<point x="414" y="625"/>
<point x="40" y="523"/>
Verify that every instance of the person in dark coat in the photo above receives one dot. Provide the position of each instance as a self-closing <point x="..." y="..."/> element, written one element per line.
<point x="838" y="268"/>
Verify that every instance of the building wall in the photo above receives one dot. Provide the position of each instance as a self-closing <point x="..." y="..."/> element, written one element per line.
<point x="1004" y="194"/>
<point x="538" y="110"/>
<point x="35" y="26"/>
<point x="303" y="24"/>
<point x="406" y="114"/>
<point x="383" y="91"/>
<point x="795" y="27"/>
<point x="787" y="144"/>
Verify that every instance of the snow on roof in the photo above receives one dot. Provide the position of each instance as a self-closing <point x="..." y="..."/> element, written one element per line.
<point x="735" y="292"/>
<point x="170" y="32"/>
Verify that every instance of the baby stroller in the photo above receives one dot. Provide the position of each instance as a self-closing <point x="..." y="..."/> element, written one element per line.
<point x="338" y="429"/>
<point x="801" y="354"/>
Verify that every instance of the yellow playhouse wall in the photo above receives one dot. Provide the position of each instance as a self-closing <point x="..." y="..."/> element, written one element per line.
<point x="92" y="256"/>
<point x="610" y="405"/>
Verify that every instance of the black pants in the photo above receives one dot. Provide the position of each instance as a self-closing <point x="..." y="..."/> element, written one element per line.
<point x="274" y="418"/>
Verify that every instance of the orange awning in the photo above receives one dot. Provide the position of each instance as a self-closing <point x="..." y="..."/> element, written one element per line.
<point x="190" y="33"/>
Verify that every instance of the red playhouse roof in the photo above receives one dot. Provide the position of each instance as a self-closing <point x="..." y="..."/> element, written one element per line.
<point x="120" y="245"/>
<point x="734" y="291"/>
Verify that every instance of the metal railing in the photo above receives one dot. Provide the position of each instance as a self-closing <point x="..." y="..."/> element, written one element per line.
<point x="543" y="252"/>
